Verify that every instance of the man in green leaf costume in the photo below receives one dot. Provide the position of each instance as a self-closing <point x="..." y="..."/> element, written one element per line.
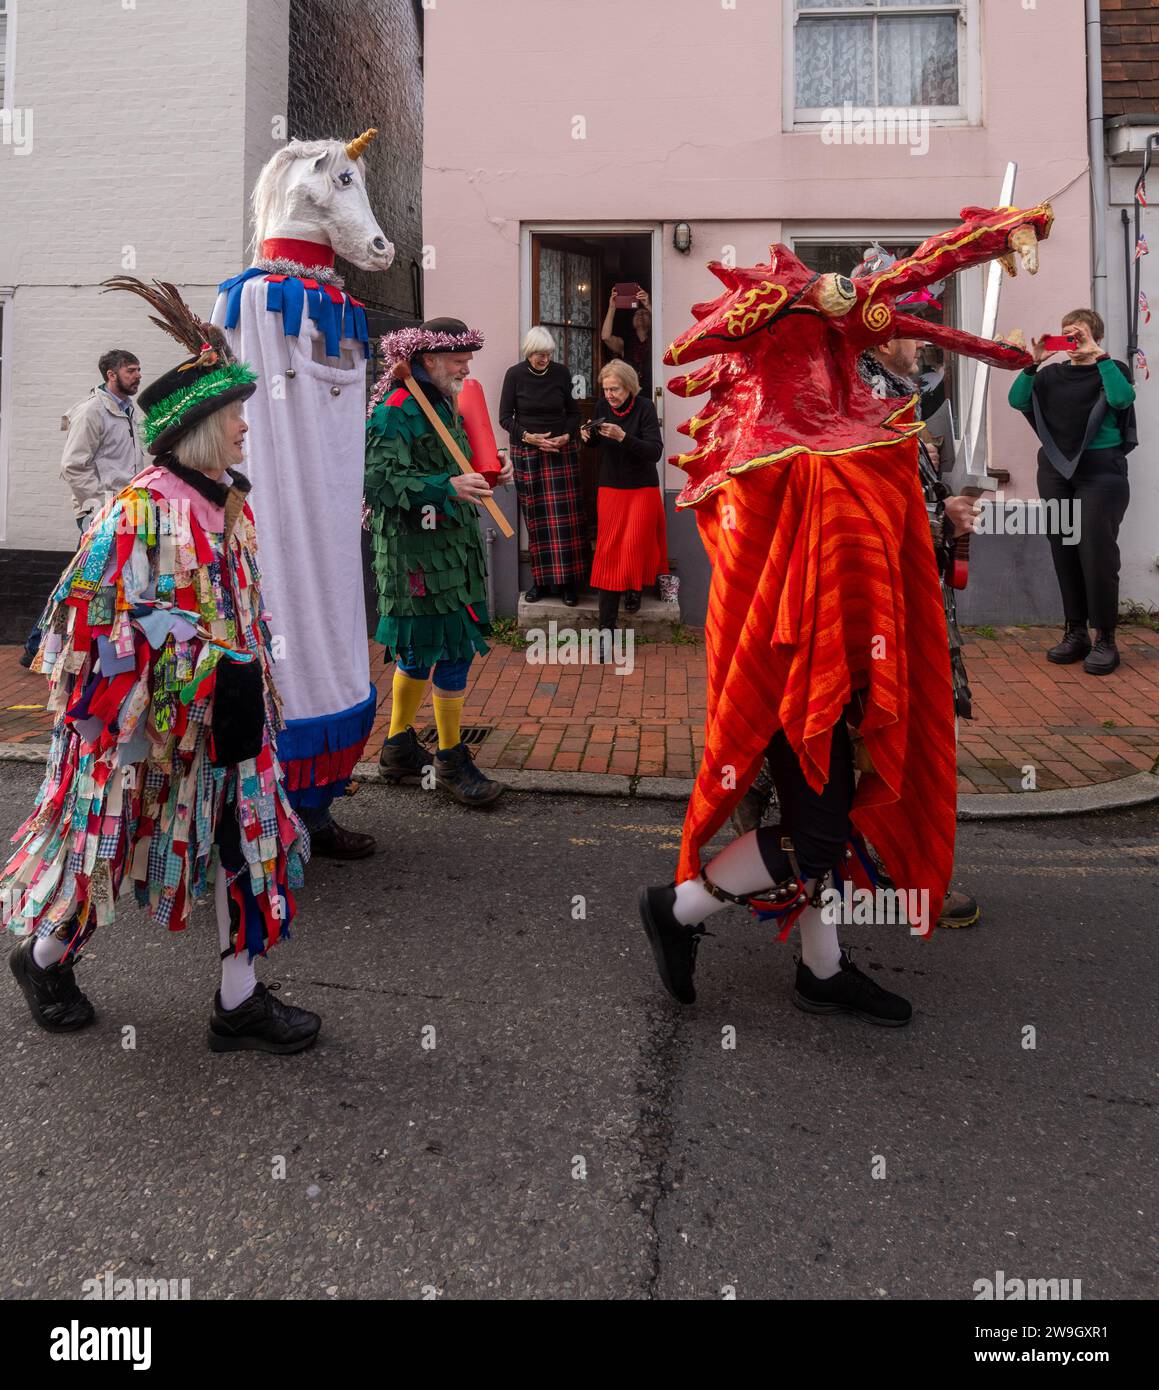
<point x="429" y="565"/>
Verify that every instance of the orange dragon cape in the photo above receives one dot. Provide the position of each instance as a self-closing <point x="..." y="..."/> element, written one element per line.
<point x="824" y="583"/>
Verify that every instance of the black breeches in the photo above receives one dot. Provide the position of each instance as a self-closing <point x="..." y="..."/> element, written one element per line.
<point x="816" y="822"/>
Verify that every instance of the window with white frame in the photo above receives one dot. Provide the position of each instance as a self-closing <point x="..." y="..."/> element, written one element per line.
<point x="7" y="33"/>
<point x="882" y="53"/>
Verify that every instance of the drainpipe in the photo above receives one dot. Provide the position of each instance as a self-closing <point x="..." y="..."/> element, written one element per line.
<point x="489" y="537"/>
<point x="1096" y="144"/>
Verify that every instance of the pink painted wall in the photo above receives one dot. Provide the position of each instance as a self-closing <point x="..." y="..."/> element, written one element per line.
<point x="683" y="107"/>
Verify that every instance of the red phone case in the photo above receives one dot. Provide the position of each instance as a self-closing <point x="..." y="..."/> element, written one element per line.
<point x="1057" y="342"/>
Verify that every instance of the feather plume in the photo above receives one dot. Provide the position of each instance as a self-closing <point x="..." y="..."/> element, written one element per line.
<point x="205" y="340"/>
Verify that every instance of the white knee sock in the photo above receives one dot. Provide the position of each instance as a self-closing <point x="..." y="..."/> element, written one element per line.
<point x="820" y="949"/>
<point x="47" y="950"/>
<point x="238" y="980"/>
<point x="737" y="869"/>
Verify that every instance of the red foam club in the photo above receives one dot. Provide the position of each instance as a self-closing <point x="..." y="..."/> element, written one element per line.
<point x="309" y="253"/>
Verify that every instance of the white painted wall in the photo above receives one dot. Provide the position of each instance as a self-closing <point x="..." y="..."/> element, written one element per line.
<point x="148" y="125"/>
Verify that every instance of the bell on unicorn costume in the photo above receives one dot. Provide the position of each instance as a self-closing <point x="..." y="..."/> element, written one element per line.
<point x="825" y="627"/>
<point x="289" y="316"/>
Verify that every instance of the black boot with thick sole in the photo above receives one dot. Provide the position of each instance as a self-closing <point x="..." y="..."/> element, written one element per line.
<point x="403" y="758"/>
<point x="456" y="774"/>
<point x="1104" y="657"/>
<point x="1074" y="646"/>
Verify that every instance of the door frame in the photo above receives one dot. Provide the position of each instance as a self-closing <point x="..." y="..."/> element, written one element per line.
<point x="655" y="232"/>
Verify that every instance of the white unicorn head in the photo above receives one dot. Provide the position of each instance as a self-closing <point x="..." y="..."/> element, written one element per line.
<point x="315" y="190"/>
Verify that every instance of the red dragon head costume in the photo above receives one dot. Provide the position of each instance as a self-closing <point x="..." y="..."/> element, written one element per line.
<point x="805" y="485"/>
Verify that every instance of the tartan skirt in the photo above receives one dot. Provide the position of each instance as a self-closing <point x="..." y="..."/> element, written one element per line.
<point x="548" y="487"/>
<point x="632" y="540"/>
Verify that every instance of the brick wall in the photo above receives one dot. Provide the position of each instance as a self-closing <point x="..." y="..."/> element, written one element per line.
<point x="26" y="579"/>
<point x="358" y="63"/>
<point x="1130" y="56"/>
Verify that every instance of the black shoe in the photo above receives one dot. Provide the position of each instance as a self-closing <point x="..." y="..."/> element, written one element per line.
<point x="850" y="992"/>
<point x="533" y="595"/>
<point x="334" y="841"/>
<point x="1074" y="645"/>
<point x="1104" y="655"/>
<point x="455" y="772"/>
<point x="26" y="659"/>
<point x="262" y="1024"/>
<point x="403" y="758"/>
<point x="673" y="944"/>
<point x="52" y="993"/>
<point x="632" y="600"/>
<point x="569" y="596"/>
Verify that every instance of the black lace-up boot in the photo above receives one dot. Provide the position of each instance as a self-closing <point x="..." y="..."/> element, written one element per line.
<point x="1104" y="655"/>
<point x="1074" y="645"/>
<point x="456" y="773"/>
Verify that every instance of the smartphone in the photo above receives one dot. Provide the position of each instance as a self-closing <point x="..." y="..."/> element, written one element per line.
<point x="626" y="293"/>
<point x="1056" y="343"/>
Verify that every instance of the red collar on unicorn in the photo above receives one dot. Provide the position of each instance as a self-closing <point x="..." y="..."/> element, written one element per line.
<point x="310" y="254"/>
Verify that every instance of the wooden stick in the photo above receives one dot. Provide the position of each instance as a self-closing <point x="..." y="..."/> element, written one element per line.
<point x="455" y="452"/>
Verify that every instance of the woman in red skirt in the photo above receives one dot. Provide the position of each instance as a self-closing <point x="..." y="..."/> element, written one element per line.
<point x="632" y="540"/>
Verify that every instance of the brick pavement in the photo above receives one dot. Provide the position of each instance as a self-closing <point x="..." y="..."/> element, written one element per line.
<point x="1070" y="728"/>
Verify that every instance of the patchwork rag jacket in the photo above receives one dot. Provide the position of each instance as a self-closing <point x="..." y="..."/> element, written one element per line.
<point x="429" y="566"/>
<point x="152" y="610"/>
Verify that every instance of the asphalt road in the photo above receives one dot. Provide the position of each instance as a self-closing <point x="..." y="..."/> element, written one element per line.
<point x="573" y="1133"/>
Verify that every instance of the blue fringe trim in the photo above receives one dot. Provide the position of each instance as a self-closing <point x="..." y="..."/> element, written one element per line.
<point x="289" y="298"/>
<point x="305" y="739"/>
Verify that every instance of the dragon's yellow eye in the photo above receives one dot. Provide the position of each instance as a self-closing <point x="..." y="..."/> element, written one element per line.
<point x="836" y="294"/>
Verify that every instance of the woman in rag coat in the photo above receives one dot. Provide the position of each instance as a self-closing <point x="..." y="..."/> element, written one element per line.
<point x="162" y="772"/>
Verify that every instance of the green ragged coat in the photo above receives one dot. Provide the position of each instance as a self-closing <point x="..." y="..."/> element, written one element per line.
<point x="429" y="566"/>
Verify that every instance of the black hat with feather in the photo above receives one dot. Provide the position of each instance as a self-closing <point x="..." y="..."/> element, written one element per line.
<point x="203" y="383"/>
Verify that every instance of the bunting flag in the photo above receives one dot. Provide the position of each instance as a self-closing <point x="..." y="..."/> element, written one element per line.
<point x="1141" y="194"/>
<point x="1141" y="247"/>
<point x="1144" y="307"/>
<point x="1141" y="359"/>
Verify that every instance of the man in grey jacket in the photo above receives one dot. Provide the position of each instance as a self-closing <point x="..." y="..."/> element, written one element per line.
<point x="103" y="449"/>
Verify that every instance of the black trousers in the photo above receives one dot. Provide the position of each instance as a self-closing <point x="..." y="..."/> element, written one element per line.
<point x="817" y="823"/>
<point x="1088" y="572"/>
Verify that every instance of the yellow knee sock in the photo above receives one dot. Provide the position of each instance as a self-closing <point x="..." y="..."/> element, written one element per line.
<point x="406" y="696"/>
<point x="448" y="718"/>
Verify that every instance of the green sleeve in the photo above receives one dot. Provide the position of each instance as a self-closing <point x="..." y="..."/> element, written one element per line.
<point x="1021" y="390"/>
<point x="1119" y="391"/>
<point x="401" y="468"/>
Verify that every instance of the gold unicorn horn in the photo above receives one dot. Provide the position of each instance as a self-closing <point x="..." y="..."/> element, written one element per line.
<point x="357" y="148"/>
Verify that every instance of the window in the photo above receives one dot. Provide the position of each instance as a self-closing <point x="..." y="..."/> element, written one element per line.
<point x="881" y="53"/>
<point x="566" y="307"/>
<point x="842" y="257"/>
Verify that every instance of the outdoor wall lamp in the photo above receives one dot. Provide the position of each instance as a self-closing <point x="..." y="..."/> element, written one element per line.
<point x="682" y="238"/>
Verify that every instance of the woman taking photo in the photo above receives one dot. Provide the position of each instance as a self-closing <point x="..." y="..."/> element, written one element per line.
<point x="636" y="346"/>
<point x="1082" y="411"/>
<point x="542" y="419"/>
<point x="631" y="542"/>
